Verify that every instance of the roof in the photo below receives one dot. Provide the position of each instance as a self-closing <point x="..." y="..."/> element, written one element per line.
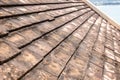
<point x="57" y="40"/>
<point x="110" y="20"/>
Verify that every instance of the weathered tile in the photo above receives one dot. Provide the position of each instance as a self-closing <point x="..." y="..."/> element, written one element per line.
<point x="13" y="23"/>
<point x="93" y="72"/>
<point x="63" y="52"/>
<point x="12" y="11"/>
<point x="116" y="34"/>
<point x="4" y="13"/>
<point x="99" y="44"/>
<point x="18" y="66"/>
<point x="7" y="51"/>
<point x="109" y="72"/>
<point x="109" y="53"/>
<point x="79" y="63"/>
<point x="116" y="46"/>
<point x="29" y="34"/>
<point x="109" y="32"/>
<point x="93" y="33"/>
<point x="39" y="75"/>
<point x="6" y="25"/>
<point x="12" y="70"/>
<point x="28" y="58"/>
<point x="117" y="58"/>
<point x="109" y="44"/>
<point x="44" y="27"/>
<point x="99" y="47"/>
<point x="84" y="28"/>
<point x="71" y="73"/>
<point x="52" y="66"/>
<point x="40" y="47"/>
<point x="84" y="51"/>
<point x="63" y="11"/>
<point x="16" y="39"/>
<point x="97" y="61"/>
<point x="109" y="60"/>
<point x="97" y="54"/>
<point x="39" y="39"/>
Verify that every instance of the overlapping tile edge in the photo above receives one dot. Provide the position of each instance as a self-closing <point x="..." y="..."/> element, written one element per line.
<point x="56" y="40"/>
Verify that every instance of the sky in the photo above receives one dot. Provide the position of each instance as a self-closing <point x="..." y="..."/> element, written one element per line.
<point x="113" y="11"/>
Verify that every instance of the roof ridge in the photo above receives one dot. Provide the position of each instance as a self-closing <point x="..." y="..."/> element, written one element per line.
<point x="107" y="18"/>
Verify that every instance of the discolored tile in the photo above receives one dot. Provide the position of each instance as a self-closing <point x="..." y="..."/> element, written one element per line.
<point x="93" y="73"/>
<point x="56" y="40"/>
<point x="7" y="50"/>
<point x="71" y="73"/>
<point x="39" y="75"/>
<point x="16" y="39"/>
<point x="97" y="61"/>
<point x="110" y="54"/>
<point x="109" y="72"/>
<point x="40" y="47"/>
<point x="29" y="34"/>
<point x="52" y="65"/>
<point x="4" y="13"/>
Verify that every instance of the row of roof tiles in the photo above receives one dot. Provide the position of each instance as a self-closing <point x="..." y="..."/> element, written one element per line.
<point x="56" y="40"/>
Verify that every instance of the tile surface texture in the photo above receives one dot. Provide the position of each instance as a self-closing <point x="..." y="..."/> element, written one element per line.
<point x="56" y="40"/>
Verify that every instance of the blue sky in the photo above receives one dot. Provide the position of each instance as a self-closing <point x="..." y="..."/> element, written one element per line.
<point x="113" y="11"/>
